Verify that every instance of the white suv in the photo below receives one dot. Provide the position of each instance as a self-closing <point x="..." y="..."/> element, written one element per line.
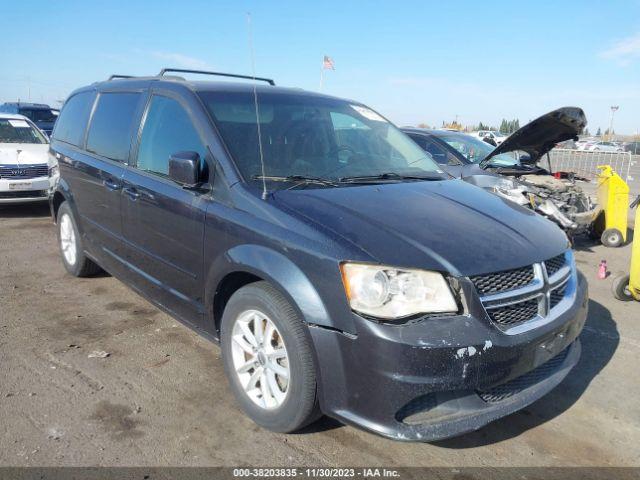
<point x="497" y="137"/>
<point x="27" y="172"/>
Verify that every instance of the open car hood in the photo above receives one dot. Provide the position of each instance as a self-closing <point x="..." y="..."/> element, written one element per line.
<point x="542" y="134"/>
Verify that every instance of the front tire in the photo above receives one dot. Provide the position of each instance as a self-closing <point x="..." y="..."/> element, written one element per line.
<point x="74" y="259"/>
<point x="268" y="359"/>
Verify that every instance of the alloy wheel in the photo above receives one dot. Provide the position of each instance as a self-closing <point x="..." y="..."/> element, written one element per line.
<point x="68" y="239"/>
<point x="260" y="359"/>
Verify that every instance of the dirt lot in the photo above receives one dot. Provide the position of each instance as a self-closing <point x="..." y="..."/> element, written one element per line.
<point x="160" y="397"/>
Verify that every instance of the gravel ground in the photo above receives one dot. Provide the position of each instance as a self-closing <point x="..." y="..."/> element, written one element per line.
<point x="160" y="397"/>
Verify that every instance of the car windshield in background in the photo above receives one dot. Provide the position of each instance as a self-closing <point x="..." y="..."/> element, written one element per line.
<point x="476" y="150"/>
<point x="19" y="131"/>
<point x="313" y="137"/>
<point x="38" y="114"/>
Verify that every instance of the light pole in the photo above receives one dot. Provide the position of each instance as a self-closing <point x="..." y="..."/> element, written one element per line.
<point x="614" y="108"/>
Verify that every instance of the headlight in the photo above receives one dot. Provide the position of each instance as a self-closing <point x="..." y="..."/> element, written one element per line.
<point x="387" y="292"/>
<point x="53" y="171"/>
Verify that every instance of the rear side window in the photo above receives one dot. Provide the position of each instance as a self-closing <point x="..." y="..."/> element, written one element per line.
<point x="38" y="114"/>
<point x="167" y="130"/>
<point x="420" y="140"/>
<point x="438" y="153"/>
<point x="111" y="125"/>
<point x="71" y="125"/>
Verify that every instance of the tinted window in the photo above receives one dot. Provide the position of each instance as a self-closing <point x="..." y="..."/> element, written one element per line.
<point x="419" y="139"/>
<point x="475" y="150"/>
<point x="71" y="125"/>
<point x="167" y="130"/>
<point x="38" y="114"/>
<point x="438" y="153"/>
<point x="111" y="125"/>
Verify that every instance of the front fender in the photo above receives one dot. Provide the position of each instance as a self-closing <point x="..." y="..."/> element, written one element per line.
<point x="62" y="190"/>
<point x="278" y="270"/>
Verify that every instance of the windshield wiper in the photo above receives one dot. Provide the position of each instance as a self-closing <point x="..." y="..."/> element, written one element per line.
<point x="388" y="176"/>
<point x="297" y="179"/>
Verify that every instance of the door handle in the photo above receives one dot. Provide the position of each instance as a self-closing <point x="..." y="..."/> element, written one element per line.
<point x="111" y="184"/>
<point x="132" y="193"/>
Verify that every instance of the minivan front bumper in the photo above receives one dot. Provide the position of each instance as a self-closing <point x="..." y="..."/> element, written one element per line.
<point x="442" y="376"/>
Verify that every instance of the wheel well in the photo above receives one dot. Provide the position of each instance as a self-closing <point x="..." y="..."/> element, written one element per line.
<point x="58" y="199"/>
<point x="227" y="287"/>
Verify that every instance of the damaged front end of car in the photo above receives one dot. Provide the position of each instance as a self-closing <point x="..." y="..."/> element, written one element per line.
<point x="559" y="199"/>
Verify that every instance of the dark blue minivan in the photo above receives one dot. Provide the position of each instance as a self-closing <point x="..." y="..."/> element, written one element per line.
<point x="340" y="269"/>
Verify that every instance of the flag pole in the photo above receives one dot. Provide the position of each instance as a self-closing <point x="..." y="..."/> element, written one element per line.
<point x="321" y="73"/>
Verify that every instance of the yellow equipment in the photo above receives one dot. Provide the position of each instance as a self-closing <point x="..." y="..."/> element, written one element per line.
<point x="610" y="223"/>
<point x="627" y="287"/>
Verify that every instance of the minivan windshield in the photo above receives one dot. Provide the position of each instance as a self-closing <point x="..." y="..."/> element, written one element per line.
<point x="19" y="131"/>
<point x="314" y="137"/>
<point x="476" y="150"/>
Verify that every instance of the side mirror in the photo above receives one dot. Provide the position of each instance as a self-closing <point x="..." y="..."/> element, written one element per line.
<point x="184" y="168"/>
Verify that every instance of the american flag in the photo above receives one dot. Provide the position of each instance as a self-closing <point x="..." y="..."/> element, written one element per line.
<point x="327" y="63"/>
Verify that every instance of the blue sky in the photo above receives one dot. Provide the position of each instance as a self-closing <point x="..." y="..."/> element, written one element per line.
<point x="413" y="61"/>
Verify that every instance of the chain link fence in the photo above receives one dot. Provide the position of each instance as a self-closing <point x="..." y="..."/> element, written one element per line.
<point x="585" y="164"/>
<point x="585" y="167"/>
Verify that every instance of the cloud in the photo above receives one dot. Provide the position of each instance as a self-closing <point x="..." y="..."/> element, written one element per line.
<point x="180" y="60"/>
<point x="623" y="51"/>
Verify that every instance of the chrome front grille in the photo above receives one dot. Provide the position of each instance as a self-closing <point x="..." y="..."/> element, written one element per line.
<point x="554" y="264"/>
<point x="517" y="301"/>
<point x="503" y="281"/>
<point x="24" y="171"/>
<point x="557" y="295"/>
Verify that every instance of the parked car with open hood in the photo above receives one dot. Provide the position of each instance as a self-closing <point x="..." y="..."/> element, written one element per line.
<point x="511" y="170"/>
<point x="27" y="173"/>
<point x="341" y="270"/>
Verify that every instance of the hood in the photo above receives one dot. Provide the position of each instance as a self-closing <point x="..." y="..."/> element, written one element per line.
<point x="23" y="153"/>
<point x="448" y="226"/>
<point x="542" y="134"/>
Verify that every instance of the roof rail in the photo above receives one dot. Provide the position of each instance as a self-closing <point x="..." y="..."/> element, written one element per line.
<point x="119" y="76"/>
<point x="219" y="74"/>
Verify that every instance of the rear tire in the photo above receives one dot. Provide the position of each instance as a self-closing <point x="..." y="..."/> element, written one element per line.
<point x="620" y="288"/>
<point x="74" y="259"/>
<point x="611" y="237"/>
<point x="268" y="359"/>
